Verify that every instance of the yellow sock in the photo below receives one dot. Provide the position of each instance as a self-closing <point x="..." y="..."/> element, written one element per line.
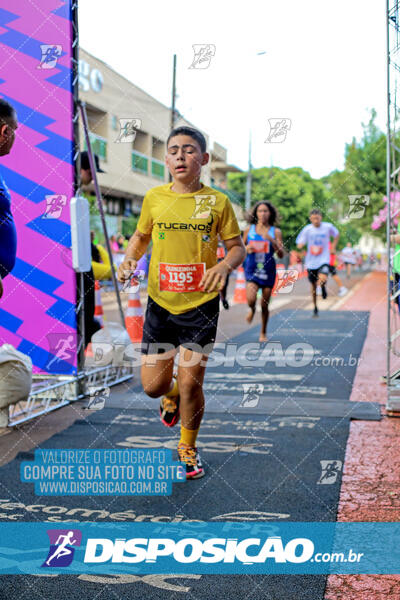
<point x="174" y="391"/>
<point x="188" y="436"/>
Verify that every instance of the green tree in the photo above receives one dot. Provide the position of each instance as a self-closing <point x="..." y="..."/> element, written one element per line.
<point x="292" y="191"/>
<point x="364" y="174"/>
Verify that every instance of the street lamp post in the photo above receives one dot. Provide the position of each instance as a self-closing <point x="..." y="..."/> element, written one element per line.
<point x="248" y="180"/>
<point x="249" y="176"/>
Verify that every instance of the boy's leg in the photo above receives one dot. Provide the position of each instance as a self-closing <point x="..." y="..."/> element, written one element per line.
<point x="314" y="295"/>
<point x="265" y="298"/>
<point x="251" y="296"/>
<point x="191" y="370"/>
<point x="156" y="373"/>
<point x="313" y="279"/>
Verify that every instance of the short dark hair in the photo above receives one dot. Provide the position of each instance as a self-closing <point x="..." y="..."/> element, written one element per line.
<point x="7" y="111"/>
<point x="273" y="215"/>
<point x="315" y="211"/>
<point x="191" y="132"/>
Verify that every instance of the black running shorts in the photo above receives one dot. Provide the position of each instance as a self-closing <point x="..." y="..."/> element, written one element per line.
<point x="332" y="270"/>
<point x="195" y="329"/>
<point x="314" y="273"/>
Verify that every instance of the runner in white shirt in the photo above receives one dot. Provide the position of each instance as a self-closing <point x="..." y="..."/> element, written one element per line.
<point x="316" y="237"/>
<point x="349" y="258"/>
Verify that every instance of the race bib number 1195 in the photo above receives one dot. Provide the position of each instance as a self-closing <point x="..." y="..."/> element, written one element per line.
<point x="180" y="278"/>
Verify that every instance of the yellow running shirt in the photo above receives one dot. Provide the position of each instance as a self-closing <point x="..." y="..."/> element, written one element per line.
<point x="185" y="230"/>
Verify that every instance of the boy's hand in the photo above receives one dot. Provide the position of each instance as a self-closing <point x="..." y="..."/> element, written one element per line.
<point x="126" y="269"/>
<point x="214" y="278"/>
<point x="250" y="249"/>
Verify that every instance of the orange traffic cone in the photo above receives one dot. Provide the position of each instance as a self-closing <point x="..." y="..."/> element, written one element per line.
<point x="98" y="306"/>
<point x="134" y="317"/>
<point x="239" y="296"/>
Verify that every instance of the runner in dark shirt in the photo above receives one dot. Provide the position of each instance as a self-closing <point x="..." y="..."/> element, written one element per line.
<point x="8" y="234"/>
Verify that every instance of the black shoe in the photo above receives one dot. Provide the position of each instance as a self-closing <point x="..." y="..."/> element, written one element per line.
<point x="225" y="304"/>
<point x="324" y="292"/>
<point x="315" y="314"/>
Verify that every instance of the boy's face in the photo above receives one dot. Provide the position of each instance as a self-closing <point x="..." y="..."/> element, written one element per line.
<point x="316" y="220"/>
<point x="184" y="158"/>
<point x="8" y="128"/>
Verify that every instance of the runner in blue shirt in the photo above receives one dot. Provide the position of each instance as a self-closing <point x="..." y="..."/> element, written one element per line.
<point x="262" y="239"/>
<point x="8" y="234"/>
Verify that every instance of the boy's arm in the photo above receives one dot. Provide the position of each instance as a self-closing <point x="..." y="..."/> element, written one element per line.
<point x="334" y="243"/>
<point x="136" y="248"/>
<point x="214" y="279"/>
<point x="278" y="244"/>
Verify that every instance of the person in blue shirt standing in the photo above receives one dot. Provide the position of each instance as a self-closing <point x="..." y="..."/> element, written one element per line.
<point x="8" y="234"/>
<point x="262" y="239"/>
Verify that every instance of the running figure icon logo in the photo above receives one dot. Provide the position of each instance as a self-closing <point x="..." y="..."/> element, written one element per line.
<point x="285" y="281"/>
<point x="62" y="347"/>
<point x="278" y="129"/>
<point x="54" y="206"/>
<point x="251" y="394"/>
<point x="203" y="206"/>
<point x="50" y="55"/>
<point x="357" y="207"/>
<point x="128" y="129"/>
<point x="330" y="471"/>
<point x="98" y="397"/>
<point x="203" y="54"/>
<point x="61" y="552"/>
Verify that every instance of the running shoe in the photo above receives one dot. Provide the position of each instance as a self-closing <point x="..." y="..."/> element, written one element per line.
<point x="169" y="410"/>
<point x="315" y="313"/>
<point x="324" y="293"/>
<point x="225" y="304"/>
<point x="343" y="291"/>
<point x="191" y="457"/>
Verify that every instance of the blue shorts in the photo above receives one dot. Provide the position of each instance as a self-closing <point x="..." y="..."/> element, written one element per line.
<point x="262" y="282"/>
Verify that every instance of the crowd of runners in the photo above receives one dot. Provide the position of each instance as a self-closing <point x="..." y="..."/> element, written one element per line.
<point x="196" y="244"/>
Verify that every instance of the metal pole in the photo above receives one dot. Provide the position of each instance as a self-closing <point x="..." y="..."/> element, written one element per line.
<point x="80" y="305"/>
<point x="248" y="180"/>
<point x="173" y="99"/>
<point x="100" y="206"/>
<point x="388" y="221"/>
<point x="173" y="93"/>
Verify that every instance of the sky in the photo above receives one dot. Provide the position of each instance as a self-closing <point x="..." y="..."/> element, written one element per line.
<point x="322" y="68"/>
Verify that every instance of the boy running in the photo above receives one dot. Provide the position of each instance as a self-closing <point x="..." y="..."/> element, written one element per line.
<point x="183" y="219"/>
<point x="316" y="236"/>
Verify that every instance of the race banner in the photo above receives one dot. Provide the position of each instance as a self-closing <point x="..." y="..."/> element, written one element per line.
<point x="37" y="310"/>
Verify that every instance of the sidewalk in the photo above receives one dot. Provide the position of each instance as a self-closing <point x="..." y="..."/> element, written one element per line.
<point x="371" y="479"/>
